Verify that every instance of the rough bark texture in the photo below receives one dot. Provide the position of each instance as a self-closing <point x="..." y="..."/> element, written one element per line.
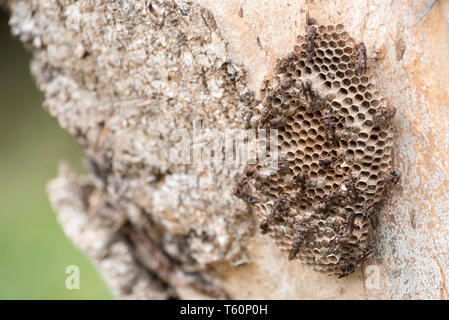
<point x="121" y="76"/>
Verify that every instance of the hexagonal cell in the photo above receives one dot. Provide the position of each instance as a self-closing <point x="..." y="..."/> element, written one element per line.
<point x="336" y="84"/>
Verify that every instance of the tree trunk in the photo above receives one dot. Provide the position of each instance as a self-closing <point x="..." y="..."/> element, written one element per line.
<point x="126" y="77"/>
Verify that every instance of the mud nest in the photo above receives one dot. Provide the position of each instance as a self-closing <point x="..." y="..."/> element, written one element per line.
<point x="319" y="196"/>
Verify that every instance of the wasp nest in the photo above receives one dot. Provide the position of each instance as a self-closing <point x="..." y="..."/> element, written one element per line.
<point x="334" y="163"/>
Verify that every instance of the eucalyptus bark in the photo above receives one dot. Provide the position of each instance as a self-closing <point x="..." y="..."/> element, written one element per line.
<point x="124" y="76"/>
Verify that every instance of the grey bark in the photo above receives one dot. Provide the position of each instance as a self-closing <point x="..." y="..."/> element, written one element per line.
<point x="122" y="76"/>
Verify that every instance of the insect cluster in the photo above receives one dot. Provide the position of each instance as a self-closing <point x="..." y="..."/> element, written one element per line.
<point x="334" y="164"/>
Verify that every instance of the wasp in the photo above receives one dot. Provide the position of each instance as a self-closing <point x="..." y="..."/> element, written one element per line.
<point x="303" y="231"/>
<point x="326" y="162"/>
<point x="384" y="117"/>
<point x="361" y="59"/>
<point x="392" y="178"/>
<point x="346" y="269"/>
<point x="241" y="189"/>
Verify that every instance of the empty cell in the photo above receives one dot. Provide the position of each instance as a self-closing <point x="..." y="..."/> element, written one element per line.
<point x="345" y="58"/>
<point x="327" y="61"/>
<point x="336" y="105"/>
<point x="335" y="36"/>
<point x="346" y="82"/>
<point x="324" y="68"/>
<point x="315" y="157"/>
<point x="320" y="139"/>
<point x="366" y="166"/>
<point x="318" y="59"/>
<point x="367" y="124"/>
<point x="340" y="126"/>
<point x="340" y="74"/>
<point x="290" y="120"/>
<point x="338" y="52"/>
<point x="336" y="84"/>
<point x="358" y="97"/>
<point x="359" y="152"/>
<point x="308" y="116"/>
<point x="361" y="88"/>
<point x="329" y="53"/>
<point x="343" y="91"/>
<point x="276" y="102"/>
<point x="322" y="76"/>
<point x="349" y="73"/>
<point x="296" y="126"/>
<point x="299" y="154"/>
<point x="349" y="153"/>
<point x="368" y="96"/>
<point x="348" y="101"/>
<point x="296" y="74"/>
<point x="329" y="179"/>
<point x="383" y="134"/>
<point x="308" y="149"/>
<point x="312" y="174"/>
<point x="333" y="67"/>
<point x="365" y="104"/>
<point x="310" y="142"/>
<point x="361" y="116"/>
<point x="305" y="124"/>
<point x="361" y="185"/>
<point x="294" y="103"/>
<point x="348" y="51"/>
<point x="319" y="191"/>
<point x="287" y="135"/>
<point x="336" y="60"/>
<point x="303" y="132"/>
<point x="344" y="111"/>
<point x="343" y="66"/>
<point x="354" y="108"/>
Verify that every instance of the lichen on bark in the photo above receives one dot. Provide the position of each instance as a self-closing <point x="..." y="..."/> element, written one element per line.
<point x="123" y="76"/>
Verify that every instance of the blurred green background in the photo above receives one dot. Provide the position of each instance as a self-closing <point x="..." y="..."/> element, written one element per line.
<point x="34" y="252"/>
